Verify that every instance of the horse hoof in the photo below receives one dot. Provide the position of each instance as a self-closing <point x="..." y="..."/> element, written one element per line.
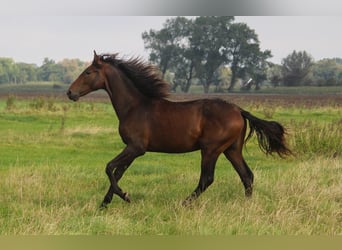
<point x="103" y="206"/>
<point x="186" y="202"/>
<point x="248" y="192"/>
<point x="126" y="198"/>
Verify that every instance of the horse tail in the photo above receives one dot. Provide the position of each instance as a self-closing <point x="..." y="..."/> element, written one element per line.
<point x="270" y="134"/>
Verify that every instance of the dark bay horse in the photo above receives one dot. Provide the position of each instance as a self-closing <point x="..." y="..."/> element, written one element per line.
<point x="150" y="122"/>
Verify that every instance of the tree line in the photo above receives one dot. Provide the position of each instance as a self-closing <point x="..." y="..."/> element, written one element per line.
<point x="217" y="51"/>
<point x="64" y="71"/>
<point x="299" y="68"/>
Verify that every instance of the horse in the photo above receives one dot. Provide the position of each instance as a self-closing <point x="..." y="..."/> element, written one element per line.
<point x="150" y="122"/>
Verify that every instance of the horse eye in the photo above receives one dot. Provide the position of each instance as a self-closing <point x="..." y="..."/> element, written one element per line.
<point x="88" y="72"/>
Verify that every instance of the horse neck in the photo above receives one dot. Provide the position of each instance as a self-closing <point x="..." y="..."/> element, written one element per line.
<point x="123" y="94"/>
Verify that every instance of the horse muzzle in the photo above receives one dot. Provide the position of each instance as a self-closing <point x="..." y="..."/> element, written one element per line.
<point x="72" y="96"/>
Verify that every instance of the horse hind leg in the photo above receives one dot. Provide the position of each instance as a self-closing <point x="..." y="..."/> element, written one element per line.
<point x="234" y="155"/>
<point x="206" y="178"/>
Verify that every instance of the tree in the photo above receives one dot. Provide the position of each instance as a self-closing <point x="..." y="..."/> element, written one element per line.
<point x="223" y="78"/>
<point x="274" y="74"/>
<point x="187" y="46"/>
<point x="208" y="41"/>
<point x="183" y="65"/>
<point x="50" y="71"/>
<point x="338" y="60"/>
<point x="295" y="67"/>
<point x="6" y="70"/>
<point x="183" y="58"/>
<point x="26" y="72"/>
<point x="165" y="43"/>
<point x="327" y="72"/>
<point x="71" y="69"/>
<point x="244" y="54"/>
<point x="257" y="66"/>
<point x="198" y="48"/>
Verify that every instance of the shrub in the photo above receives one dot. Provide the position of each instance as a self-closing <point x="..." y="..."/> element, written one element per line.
<point x="37" y="103"/>
<point x="10" y="102"/>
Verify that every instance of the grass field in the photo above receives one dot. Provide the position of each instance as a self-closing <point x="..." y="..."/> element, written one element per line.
<point x="52" y="175"/>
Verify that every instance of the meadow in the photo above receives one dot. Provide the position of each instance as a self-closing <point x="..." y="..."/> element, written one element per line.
<point x="53" y="154"/>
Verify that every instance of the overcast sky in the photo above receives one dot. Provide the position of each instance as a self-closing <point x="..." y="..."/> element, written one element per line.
<point x="171" y="7"/>
<point x="32" y="38"/>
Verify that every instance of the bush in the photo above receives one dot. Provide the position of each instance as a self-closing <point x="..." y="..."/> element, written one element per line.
<point x="10" y="102"/>
<point x="37" y="103"/>
<point x="41" y="103"/>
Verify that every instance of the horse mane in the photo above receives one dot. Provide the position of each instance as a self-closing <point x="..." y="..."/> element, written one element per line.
<point x="144" y="76"/>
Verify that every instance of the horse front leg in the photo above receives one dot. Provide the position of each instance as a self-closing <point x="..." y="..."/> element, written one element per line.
<point x="119" y="164"/>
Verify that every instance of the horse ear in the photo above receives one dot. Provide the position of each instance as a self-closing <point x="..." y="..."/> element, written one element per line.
<point x="97" y="59"/>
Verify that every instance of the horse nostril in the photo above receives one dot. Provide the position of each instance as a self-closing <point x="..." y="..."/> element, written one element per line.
<point x="72" y="96"/>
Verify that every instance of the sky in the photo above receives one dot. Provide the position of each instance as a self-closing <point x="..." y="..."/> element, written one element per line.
<point x="174" y="7"/>
<point x="320" y="36"/>
<point x="32" y="38"/>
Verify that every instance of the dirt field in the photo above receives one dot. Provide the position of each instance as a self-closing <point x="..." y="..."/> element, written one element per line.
<point x="272" y="99"/>
<point x="305" y="101"/>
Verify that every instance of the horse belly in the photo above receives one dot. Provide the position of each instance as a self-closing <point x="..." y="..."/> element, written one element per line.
<point x="175" y="138"/>
<point x="173" y="147"/>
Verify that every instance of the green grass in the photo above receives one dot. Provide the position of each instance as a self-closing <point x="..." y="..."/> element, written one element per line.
<point x="52" y="177"/>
